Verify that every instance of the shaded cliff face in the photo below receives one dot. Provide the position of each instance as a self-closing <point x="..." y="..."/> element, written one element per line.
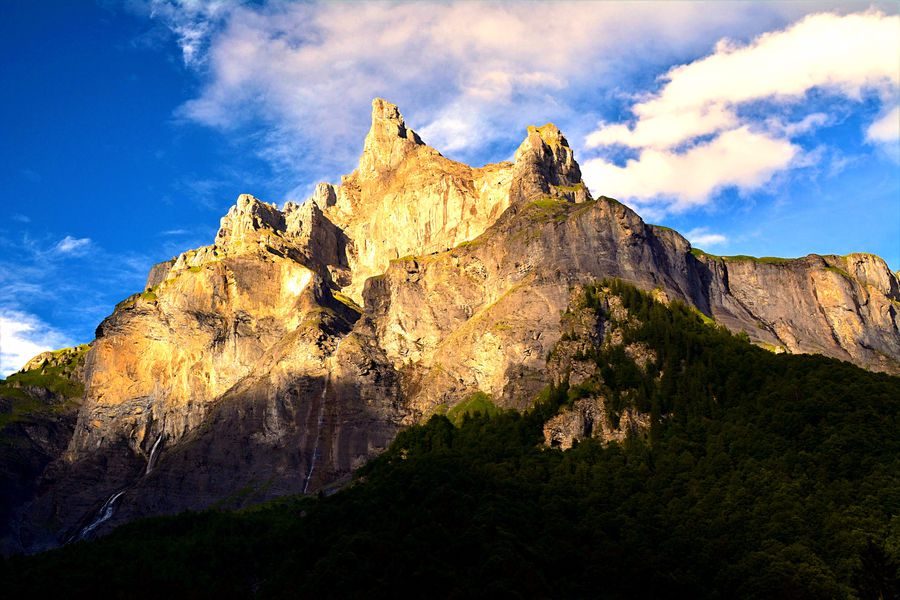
<point x="292" y="349"/>
<point x="222" y="382"/>
<point x="38" y="409"/>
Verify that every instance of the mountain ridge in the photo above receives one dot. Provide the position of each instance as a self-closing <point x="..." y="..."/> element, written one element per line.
<point x="294" y="348"/>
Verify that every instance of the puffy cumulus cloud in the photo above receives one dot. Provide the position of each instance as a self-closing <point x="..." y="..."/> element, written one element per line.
<point x="844" y="54"/>
<point x="470" y="75"/>
<point x="22" y="336"/>
<point x="740" y="157"/>
<point x="702" y="236"/>
<point x="692" y="137"/>
<point x="71" y="245"/>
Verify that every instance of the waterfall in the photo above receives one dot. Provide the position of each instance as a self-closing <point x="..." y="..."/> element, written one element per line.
<point x="152" y="459"/>
<point x="103" y="515"/>
<point x="315" y="452"/>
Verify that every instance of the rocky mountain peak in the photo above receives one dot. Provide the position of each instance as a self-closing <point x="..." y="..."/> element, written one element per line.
<point x="245" y="219"/>
<point x="324" y="196"/>
<point x="545" y="167"/>
<point x="870" y="270"/>
<point x="388" y="142"/>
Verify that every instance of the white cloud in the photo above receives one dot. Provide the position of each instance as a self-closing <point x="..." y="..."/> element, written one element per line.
<point x="886" y="129"/>
<point x="472" y="75"/>
<point x="804" y="125"/>
<point x="701" y="236"/>
<point x="740" y="158"/>
<point x="70" y="245"/>
<point x="843" y="54"/>
<point x="692" y="136"/>
<point x="22" y="336"/>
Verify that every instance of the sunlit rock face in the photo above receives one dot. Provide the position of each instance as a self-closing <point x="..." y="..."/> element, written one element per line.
<point x="841" y="306"/>
<point x="289" y="351"/>
<point x="405" y="198"/>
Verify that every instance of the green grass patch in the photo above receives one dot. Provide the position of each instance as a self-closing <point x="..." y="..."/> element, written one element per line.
<point x="477" y="403"/>
<point x="772" y="348"/>
<point x="839" y="271"/>
<point x="570" y="188"/>
<point x="50" y="378"/>
<point x="24" y="405"/>
<point x="768" y="260"/>
<point x="59" y="379"/>
<point x="548" y="209"/>
<point x="127" y="302"/>
<point x="707" y="320"/>
<point x="701" y="254"/>
<point x="469" y="243"/>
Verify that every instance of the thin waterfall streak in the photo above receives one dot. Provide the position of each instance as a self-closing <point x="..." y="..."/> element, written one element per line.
<point x="152" y="458"/>
<point x="103" y="515"/>
<point x="315" y="452"/>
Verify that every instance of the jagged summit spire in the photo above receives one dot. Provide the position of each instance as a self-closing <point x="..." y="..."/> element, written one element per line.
<point x="382" y="110"/>
<point x="546" y="166"/>
<point x="550" y="134"/>
<point x="389" y="140"/>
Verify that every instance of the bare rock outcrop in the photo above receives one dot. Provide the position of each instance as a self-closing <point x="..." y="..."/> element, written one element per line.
<point x="589" y="418"/>
<point x="846" y="307"/>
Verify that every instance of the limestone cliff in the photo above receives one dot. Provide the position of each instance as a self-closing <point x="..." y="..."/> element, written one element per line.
<point x="290" y="350"/>
<point x="840" y="306"/>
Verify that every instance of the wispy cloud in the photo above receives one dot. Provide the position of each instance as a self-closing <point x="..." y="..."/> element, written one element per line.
<point x="71" y="245"/>
<point x="702" y="236"/>
<point x="52" y="295"/>
<point x="192" y="22"/>
<point x="22" y="336"/>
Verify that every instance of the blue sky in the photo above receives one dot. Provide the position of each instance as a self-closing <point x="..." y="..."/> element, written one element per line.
<point x="129" y="128"/>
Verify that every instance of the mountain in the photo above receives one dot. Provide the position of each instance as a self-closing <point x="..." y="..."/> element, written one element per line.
<point x="760" y="476"/>
<point x="293" y="349"/>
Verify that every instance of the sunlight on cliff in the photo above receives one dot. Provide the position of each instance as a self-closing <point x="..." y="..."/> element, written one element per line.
<point x="293" y="283"/>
